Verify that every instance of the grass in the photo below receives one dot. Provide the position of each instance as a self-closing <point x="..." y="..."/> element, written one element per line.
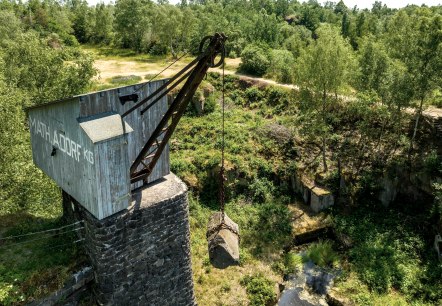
<point x="389" y="263"/>
<point x="31" y="267"/>
<point x="322" y="254"/>
<point x="390" y="257"/>
<point x="260" y="289"/>
<point x="223" y="287"/>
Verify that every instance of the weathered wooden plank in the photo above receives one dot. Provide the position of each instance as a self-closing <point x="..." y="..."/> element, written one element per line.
<point x="94" y="168"/>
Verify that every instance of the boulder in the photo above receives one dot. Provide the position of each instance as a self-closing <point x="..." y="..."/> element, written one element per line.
<point x="223" y="241"/>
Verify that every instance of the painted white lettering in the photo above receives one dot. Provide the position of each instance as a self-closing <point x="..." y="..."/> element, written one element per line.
<point x="78" y="152"/>
<point x="68" y="146"/>
<point x="55" y="142"/>
<point x="62" y="143"/>
<point x="32" y="124"/>
<point x="48" y="133"/>
<point x="88" y="155"/>
<point x="91" y="158"/>
<point x="39" y="128"/>
<point x="60" y="140"/>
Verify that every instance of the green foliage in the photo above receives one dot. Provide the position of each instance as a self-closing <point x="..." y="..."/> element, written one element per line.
<point x="261" y="190"/>
<point x="323" y="68"/>
<point x="255" y="60"/>
<point x="389" y="252"/>
<point x="43" y="72"/>
<point x="35" y="67"/>
<point x="125" y="80"/>
<point x="437" y="206"/>
<point x="259" y="289"/>
<point x="322" y="254"/>
<point x="273" y="225"/>
<point x="253" y="94"/>
<point x="433" y="162"/>
<point x="292" y="263"/>
<point x="32" y="268"/>
<point x="282" y="63"/>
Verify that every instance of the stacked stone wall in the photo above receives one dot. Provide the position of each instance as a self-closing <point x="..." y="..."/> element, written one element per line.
<point x="141" y="256"/>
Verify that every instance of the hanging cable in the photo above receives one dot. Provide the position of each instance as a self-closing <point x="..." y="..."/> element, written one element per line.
<point x="222" y="174"/>
<point x="41" y="238"/>
<point x="151" y="79"/>
<point x="41" y="232"/>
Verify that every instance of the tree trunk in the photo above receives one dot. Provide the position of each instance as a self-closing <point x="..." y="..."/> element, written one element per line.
<point x="174" y="55"/>
<point x="416" y="126"/>
<point x="324" y="134"/>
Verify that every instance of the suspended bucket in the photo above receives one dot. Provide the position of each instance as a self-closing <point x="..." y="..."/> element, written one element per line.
<point x="223" y="241"/>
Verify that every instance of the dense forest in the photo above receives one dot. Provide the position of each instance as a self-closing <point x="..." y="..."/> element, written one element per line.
<point x="363" y="80"/>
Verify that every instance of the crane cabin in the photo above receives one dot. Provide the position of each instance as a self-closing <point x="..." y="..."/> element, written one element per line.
<point x="86" y="146"/>
<point x="100" y="146"/>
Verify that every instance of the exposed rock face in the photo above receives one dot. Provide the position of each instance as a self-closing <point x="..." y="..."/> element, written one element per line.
<point x="223" y="241"/>
<point x="307" y="287"/>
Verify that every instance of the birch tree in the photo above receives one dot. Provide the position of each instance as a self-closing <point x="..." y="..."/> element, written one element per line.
<point x="323" y="68"/>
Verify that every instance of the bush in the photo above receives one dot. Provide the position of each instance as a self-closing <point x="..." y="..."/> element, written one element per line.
<point x="255" y="60"/>
<point x="253" y="94"/>
<point x="274" y="225"/>
<point x="322" y="254"/>
<point x="259" y="290"/>
<point x="210" y="104"/>
<point x="282" y="63"/>
<point x="432" y="163"/>
<point x="261" y="190"/>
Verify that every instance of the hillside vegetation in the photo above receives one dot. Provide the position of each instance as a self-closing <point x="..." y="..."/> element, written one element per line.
<point x="364" y="77"/>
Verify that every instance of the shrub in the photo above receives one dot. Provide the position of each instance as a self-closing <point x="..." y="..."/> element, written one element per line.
<point x="255" y="60"/>
<point x="210" y="103"/>
<point x="253" y="94"/>
<point x="432" y="162"/>
<point x="292" y="262"/>
<point x="322" y="254"/>
<point x="281" y="66"/>
<point x="259" y="289"/>
<point x="274" y="225"/>
<point x="261" y="190"/>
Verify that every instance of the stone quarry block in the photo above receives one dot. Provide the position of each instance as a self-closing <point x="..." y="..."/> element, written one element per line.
<point x="223" y="241"/>
<point x="321" y="199"/>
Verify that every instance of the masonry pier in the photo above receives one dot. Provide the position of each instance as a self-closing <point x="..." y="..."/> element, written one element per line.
<point x="141" y="255"/>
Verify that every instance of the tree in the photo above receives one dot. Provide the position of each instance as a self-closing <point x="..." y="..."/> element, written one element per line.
<point x="281" y="65"/>
<point x="345" y="25"/>
<point x="417" y="41"/>
<point x="298" y="41"/>
<point x="133" y="23"/>
<point x="340" y="8"/>
<point x="323" y="68"/>
<point x="43" y="72"/>
<point x="102" y="30"/>
<point x="255" y="60"/>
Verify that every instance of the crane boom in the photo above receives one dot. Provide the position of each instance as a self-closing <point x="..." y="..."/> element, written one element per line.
<point x="193" y="73"/>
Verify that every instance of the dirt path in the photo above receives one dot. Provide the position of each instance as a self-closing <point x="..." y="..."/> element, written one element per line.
<point x="112" y="68"/>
